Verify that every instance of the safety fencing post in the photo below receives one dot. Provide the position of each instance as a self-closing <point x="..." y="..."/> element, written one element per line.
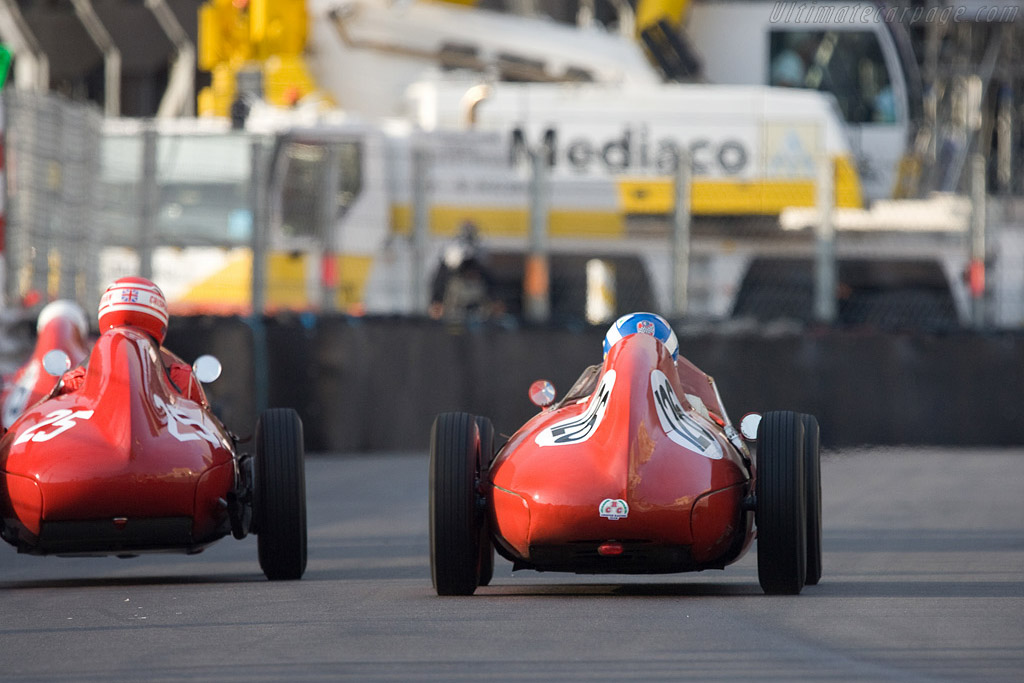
<point x="681" y="236"/>
<point x="978" y="248"/>
<point x="327" y="292"/>
<point x="149" y="201"/>
<point x="73" y="250"/>
<point x="536" y="276"/>
<point x="825" y="277"/>
<point x="420" y="180"/>
<point x="259" y="208"/>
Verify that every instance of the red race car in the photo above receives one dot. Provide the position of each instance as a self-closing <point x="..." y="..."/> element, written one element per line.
<point x="61" y="325"/>
<point x="125" y="464"/>
<point x="636" y="470"/>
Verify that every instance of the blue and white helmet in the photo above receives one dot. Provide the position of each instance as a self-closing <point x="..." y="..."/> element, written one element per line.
<point x="642" y="323"/>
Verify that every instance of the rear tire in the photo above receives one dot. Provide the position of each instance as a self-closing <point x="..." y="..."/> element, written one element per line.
<point x="781" y="504"/>
<point x="455" y="528"/>
<point x="812" y="474"/>
<point x="486" y="430"/>
<point x="280" y="495"/>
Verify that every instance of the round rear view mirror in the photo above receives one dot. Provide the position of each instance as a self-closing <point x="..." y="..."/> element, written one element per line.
<point x="207" y="368"/>
<point x="542" y="393"/>
<point x="56" y="362"/>
<point x="748" y="426"/>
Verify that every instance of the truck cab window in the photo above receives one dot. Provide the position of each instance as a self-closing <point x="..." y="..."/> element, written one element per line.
<point x="307" y="165"/>
<point x="299" y="196"/>
<point x="848" y="64"/>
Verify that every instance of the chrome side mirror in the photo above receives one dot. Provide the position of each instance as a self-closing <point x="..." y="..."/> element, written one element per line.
<point x="207" y="368"/>
<point x="56" y="362"/>
<point x="748" y="426"/>
<point x="542" y="393"/>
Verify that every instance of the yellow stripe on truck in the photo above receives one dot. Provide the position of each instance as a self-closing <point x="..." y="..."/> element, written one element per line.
<point x="501" y="222"/>
<point x="649" y="195"/>
<point x="656" y="196"/>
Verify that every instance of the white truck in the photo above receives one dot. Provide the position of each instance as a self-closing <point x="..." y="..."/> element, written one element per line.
<point x="481" y="90"/>
<point x="365" y="54"/>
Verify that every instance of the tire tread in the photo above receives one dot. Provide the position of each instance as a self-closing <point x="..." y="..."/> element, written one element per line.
<point x="454" y="536"/>
<point x="781" y="504"/>
<point x="280" y="510"/>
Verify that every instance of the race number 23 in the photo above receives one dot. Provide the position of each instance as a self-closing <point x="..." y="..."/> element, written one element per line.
<point x="56" y="422"/>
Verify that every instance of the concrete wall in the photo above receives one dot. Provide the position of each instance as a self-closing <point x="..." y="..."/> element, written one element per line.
<point x="373" y="384"/>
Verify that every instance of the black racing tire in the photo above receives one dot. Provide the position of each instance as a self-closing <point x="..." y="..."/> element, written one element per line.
<point x="486" y="430"/>
<point x="812" y="482"/>
<point x="781" y="513"/>
<point x="279" y="503"/>
<point x="454" y="504"/>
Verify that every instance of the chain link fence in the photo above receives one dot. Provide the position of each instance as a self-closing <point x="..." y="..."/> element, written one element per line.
<point x="361" y="219"/>
<point x="90" y="200"/>
<point x="52" y="155"/>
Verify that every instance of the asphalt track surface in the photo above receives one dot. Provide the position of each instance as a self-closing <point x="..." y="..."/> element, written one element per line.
<point x="924" y="581"/>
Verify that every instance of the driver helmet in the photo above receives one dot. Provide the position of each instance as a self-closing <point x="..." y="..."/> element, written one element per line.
<point x="642" y="323"/>
<point x="135" y="302"/>
<point x="67" y="310"/>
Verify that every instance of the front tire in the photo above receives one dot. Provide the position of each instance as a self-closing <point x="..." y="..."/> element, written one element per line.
<point x="280" y="495"/>
<point x="781" y="514"/>
<point x="454" y="504"/>
<point x="812" y="474"/>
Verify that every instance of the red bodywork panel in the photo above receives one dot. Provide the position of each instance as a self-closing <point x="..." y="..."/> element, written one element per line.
<point x="31" y="382"/>
<point x="633" y="463"/>
<point x="122" y="464"/>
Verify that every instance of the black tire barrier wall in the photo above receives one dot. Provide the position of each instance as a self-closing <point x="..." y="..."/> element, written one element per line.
<point x="366" y="384"/>
<point x="233" y="395"/>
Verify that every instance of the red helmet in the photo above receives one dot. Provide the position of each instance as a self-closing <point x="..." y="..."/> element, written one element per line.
<point x="137" y="302"/>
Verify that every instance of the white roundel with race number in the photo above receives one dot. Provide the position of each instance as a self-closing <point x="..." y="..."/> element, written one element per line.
<point x="579" y="428"/>
<point x="678" y="425"/>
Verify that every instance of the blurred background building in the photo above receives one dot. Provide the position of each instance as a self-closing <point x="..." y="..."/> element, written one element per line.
<point x="217" y="145"/>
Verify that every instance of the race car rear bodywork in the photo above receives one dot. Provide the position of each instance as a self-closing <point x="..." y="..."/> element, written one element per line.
<point x="627" y="480"/>
<point x="123" y="464"/>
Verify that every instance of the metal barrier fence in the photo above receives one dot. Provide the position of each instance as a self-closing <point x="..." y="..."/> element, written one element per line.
<point x="52" y="155"/>
<point x="90" y="200"/>
<point x="357" y="219"/>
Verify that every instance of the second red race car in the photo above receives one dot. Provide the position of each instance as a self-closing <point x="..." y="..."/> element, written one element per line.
<point x="125" y="456"/>
<point x="61" y="325"/>
<point x="636" y="470"/>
